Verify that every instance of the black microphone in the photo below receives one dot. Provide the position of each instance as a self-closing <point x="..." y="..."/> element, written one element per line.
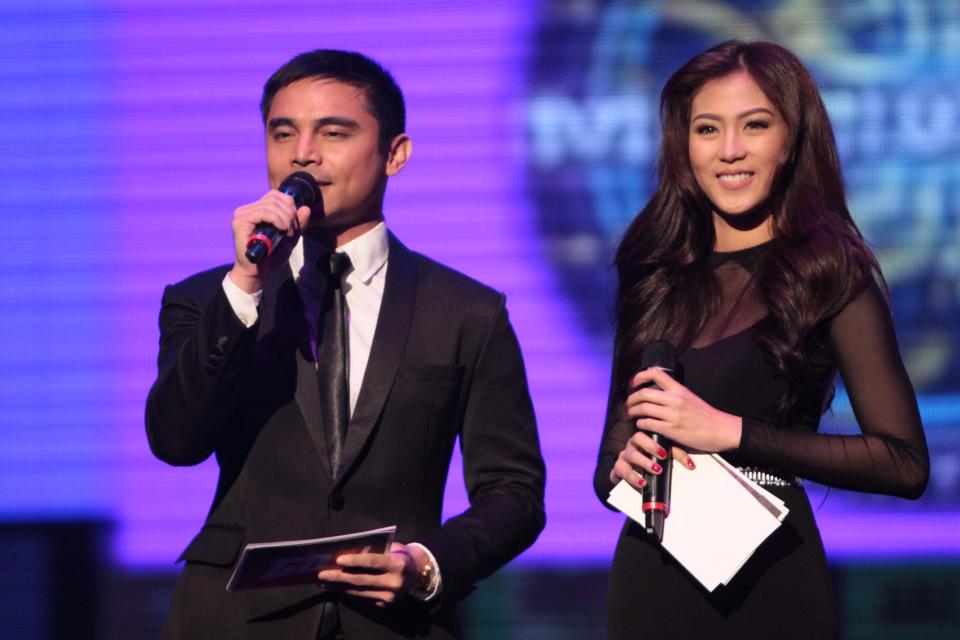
<point x="658" y="354"/>
<point x="305" y="193"/>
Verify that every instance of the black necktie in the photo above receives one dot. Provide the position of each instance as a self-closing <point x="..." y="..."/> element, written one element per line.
<point x="332" y="353"/>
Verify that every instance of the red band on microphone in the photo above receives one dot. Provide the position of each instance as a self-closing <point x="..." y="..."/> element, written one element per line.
<point x="657" y="506"/>
<point x="260" y="237"/>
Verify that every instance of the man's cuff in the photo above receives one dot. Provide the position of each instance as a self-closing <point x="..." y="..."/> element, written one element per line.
<point x="433" y="589"/>
<point x="244" y="304"/>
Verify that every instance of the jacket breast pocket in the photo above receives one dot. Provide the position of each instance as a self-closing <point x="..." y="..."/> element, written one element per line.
<point x="216" y="544"/>
<point x="432" y="373"/>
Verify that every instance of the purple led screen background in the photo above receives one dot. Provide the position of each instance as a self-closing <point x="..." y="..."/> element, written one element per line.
<point x="132" y="132"/>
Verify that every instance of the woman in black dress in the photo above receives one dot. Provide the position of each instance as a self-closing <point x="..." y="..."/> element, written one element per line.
<point x="746" y="258"/>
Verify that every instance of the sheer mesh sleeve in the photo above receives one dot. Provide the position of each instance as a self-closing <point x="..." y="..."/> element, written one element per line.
<point x="617" y="430"/>
<point x="890" y="455"/>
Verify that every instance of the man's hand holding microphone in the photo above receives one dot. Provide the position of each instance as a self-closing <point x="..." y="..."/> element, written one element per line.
<point x="265" y="231"/>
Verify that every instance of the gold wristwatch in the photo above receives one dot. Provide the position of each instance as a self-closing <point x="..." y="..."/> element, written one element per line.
<point x="428" y="577"/>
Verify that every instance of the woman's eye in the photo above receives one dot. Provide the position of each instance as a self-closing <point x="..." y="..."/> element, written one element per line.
<point x="706" y="129"/>
<point x="758" y="124"/>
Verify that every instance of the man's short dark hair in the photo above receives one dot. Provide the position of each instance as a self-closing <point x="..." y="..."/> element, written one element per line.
<point x="384" y="98"/>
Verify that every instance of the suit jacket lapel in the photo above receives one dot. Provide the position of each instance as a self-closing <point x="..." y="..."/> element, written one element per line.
<point x="283" y="330"/>
<point x="386" y="352"/>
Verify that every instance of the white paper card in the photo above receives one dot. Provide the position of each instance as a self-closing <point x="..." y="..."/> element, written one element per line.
<point x="716" y="522"/>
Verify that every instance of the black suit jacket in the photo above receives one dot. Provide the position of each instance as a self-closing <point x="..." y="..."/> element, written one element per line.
<point x="444" y="363"/>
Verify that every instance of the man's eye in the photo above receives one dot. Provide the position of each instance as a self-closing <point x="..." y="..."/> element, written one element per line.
<point x="282" y="135"/>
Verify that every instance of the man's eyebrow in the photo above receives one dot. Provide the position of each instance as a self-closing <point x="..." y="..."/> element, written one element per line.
<point x="336" y="122"/>
<point x="276" y="123"/>
<point x="740" y="116"/>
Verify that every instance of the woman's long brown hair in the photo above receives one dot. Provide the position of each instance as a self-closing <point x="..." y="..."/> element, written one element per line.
<point x="818" y="260"/>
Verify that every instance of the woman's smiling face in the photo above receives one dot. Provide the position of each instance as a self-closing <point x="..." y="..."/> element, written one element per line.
<point x="736" y="143"/>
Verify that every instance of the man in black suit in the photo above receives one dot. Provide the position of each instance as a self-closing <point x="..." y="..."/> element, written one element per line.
<point x="431" y="357"/>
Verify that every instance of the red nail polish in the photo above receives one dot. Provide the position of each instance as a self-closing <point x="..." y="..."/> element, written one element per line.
<point x="690" y="464"/>
<point x="656" y="468"/>
<point x="661" y="453"/>
<point x="642" y="482"/>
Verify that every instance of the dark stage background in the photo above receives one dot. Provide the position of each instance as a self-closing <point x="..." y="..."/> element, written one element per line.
<point x="130" y="132"/>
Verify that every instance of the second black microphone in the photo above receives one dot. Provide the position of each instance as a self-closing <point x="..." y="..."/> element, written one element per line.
<point x="658" y="354"/>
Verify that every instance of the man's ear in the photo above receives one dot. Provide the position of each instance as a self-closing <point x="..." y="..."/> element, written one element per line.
<point x="398" y="153"/>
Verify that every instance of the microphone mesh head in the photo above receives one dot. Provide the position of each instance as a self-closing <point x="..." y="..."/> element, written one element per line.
<point x="301" y="186"/>
<point x="659" y="354"/>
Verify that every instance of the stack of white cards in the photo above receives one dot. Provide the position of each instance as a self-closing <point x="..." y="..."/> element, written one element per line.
<point x="717" y="518"/>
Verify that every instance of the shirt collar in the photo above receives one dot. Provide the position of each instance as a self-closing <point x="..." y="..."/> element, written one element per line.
<point x="368" y="253"/>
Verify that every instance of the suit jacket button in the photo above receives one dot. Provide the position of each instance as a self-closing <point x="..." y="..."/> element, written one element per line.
<point x="336" y="501"/>
<point x="212" y="365"/>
